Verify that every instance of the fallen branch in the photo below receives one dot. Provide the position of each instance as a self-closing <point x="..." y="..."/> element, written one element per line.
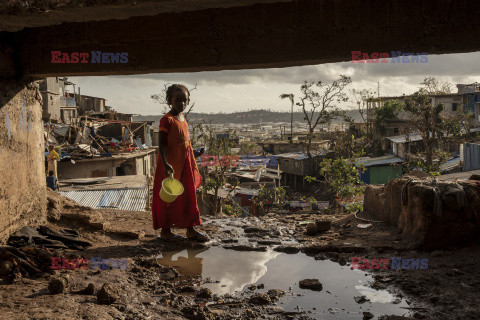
<point x="368" y="220"/>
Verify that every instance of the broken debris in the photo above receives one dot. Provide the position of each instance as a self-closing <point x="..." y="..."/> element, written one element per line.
<point x="59" y="284"/>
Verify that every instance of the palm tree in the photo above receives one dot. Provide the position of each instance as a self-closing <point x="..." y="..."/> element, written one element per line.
<point x="289" y="96"/>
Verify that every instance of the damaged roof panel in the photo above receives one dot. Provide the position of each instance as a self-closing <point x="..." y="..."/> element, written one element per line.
<point x="301" y="155"/>
<point x="402" y="138"/>
<point x="121" y="199"/>
<point x="368" y="162"/>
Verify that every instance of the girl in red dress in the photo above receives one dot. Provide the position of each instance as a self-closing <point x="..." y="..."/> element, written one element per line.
<point x="176" y="156"/>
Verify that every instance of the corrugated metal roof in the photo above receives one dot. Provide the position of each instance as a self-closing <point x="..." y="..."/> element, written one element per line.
<point x="450" y="164"/>
<point x="402" y="138"/>
<point x="301" y="155"/>
<point x="121" y="199"/>
<point x="368" y="162"/>
<point x="111" y="198"/>
<point x="418" y="137"/>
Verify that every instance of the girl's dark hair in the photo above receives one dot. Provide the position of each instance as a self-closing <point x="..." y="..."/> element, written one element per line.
<point x="172" y="89"/>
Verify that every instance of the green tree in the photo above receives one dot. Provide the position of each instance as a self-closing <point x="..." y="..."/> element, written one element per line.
<point x="426" y="119"/>
<point x="341" y="171"/>
<point x="318" y="103"/>
<point x="219" y="157"/>
<point x="436" y="128"/>
<point x="386" y="114"/>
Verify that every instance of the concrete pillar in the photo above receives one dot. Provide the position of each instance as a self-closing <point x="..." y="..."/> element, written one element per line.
<point x="22" y="166"/>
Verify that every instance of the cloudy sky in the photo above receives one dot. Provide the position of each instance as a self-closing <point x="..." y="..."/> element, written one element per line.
<point x="240" y="90"/>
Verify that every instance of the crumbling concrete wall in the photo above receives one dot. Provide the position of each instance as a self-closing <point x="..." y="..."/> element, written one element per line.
<point x="440" y="214"/>
<point x="22" y="168"/>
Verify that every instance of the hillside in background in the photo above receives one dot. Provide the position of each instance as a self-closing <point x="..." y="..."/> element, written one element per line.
<point x="244" y="117"/>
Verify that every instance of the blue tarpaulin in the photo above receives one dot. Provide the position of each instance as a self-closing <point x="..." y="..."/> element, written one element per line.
<point x="248" y="160"/>
<point x="472" y="98"/>
<point x="471" y="156"/>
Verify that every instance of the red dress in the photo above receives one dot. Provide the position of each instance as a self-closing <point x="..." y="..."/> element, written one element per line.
<point x="183" y="212"/>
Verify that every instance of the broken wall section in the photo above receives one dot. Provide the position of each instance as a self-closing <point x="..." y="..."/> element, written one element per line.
<point x="22" y="168"/>
<point x="440" y="214"/>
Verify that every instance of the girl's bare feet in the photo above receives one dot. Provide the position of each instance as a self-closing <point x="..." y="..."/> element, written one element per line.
<point x="167" y="235"/>
<point x="193" y="234"/>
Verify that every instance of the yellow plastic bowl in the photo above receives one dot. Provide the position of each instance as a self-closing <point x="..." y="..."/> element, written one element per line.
<point x="171" y="189"/>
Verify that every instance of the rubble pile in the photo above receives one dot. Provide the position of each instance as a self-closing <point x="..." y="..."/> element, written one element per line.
<point x="29" y="252"/>
<point x="26" y="261"/>
<point x="82" y="138"/>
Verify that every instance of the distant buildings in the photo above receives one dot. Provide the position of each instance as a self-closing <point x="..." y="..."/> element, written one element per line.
<point x="467" y="99"/>
<point x="62" y="101"/>
<point x="88" y="104"/>
<point x="58" y="104"/>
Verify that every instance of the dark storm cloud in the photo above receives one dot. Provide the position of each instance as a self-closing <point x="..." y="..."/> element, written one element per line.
<point x="456" y="66"/>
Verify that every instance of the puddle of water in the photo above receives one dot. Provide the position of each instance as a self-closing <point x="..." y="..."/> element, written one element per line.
<point x="235" y="270"/>
<point x="373" y="295"/>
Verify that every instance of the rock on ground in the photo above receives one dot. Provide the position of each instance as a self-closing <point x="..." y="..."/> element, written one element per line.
<point x="275" y="294"/>
<point x="107" y="294"/>
<point x="260" y="299"/>
<point x="311" y="284"/>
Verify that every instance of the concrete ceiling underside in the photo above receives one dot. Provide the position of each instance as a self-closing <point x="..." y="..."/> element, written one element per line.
<point x="191" y="36"/>
<point x="16" y="15"/>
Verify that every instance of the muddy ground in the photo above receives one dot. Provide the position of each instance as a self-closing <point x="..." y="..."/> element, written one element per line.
<point x="448" y="289"/>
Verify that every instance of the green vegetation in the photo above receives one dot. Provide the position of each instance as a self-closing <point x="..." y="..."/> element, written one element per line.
<point x="341" y="172"/>
<point x="386" y="114"/>
<point x="268" y="198"/>
<point x="233" y="211"/>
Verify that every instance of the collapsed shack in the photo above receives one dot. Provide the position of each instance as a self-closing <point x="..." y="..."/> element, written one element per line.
<point x="87" y="137"/>
<point x="439" y="214"/>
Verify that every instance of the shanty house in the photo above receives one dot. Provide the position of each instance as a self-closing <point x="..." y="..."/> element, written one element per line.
<point x="278" y="147"/>
<point x="134" y="163"/>
<point x="90" y="104"/>
<point x="400" y="145"/>
<point x="380" y="170"/>
<point x="296" y="165"/>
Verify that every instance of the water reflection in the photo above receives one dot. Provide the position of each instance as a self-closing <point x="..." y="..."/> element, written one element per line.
<point x="233" y="269"/>
<point x="375" y="295"/>
<point x="185" y="260"/>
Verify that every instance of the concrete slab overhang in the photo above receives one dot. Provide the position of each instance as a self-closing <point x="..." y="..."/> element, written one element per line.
<point x="190" y="36"/>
